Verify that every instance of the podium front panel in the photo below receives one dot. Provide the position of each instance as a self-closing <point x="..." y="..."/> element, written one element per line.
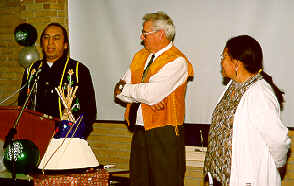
<point x="32" y="125"/>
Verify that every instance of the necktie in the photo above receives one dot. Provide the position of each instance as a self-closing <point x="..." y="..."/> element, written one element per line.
<point x="134" y="106"/>
<point x="147" y="67"/>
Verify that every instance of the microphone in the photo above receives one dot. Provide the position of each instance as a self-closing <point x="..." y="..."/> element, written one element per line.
<point x="37" y="73"/>
<point x="33" y="76"/>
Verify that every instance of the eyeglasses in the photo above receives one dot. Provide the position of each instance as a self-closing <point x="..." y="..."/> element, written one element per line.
<point x="147" y="33"/>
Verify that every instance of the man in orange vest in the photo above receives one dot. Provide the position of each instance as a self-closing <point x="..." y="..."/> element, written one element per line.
<point x="154" y="89"/>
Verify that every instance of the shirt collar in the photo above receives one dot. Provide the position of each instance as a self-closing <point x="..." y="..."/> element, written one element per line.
<point x="50" y="64"/>
<point x="161" y="51"/>
<point x="58" y="62"/>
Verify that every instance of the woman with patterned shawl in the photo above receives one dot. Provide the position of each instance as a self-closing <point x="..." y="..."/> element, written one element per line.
<point x="247" y="142"/>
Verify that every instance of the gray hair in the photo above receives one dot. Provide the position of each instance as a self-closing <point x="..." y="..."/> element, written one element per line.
<point x="161" y="21"/>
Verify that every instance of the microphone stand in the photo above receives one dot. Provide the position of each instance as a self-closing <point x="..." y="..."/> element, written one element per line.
<point x="13" y="94"/>
<point x="12" y="131"/>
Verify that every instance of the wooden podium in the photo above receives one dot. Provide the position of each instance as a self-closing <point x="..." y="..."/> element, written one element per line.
<point x="34" y="126"/>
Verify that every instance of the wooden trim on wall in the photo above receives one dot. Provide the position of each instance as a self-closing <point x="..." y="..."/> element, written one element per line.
<point x="120" y="122"/>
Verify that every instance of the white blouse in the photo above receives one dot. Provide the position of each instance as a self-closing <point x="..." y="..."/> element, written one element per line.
<point x="260" y="141"/>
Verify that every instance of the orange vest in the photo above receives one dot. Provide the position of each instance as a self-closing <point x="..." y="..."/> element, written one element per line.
<point x="174" y="111"/>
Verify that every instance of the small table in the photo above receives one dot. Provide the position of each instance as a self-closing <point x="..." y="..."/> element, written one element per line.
<point x="116" y="176"/>
<point x="97" y="177"/>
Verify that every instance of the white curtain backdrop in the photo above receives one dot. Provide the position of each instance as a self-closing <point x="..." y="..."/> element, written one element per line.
<point x="105" y="34"/>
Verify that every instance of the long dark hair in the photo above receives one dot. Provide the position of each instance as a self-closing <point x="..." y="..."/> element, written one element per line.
<point x="247" y="50"/>
<point x="66" y="50"/>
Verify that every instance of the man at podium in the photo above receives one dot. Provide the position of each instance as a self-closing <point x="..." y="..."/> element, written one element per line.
<point x="58" y="70"/>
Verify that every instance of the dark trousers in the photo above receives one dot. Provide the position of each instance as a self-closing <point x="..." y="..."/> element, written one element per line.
<point x="157" y="157"/>
<point x="216" y="183"/>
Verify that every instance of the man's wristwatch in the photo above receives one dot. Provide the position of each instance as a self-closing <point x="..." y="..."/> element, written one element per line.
<point x="121" y="87"/>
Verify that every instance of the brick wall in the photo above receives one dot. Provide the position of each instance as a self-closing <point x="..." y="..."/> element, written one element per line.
<point x="111" y="144"/>
<point x="38" y="13"/>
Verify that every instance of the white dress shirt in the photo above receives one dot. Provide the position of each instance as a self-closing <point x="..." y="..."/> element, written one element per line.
<point x="160" y="85"/>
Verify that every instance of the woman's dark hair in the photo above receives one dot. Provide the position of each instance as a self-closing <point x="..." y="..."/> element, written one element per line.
<point x="247" y="50"/>
<point x="64" y="34"/>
